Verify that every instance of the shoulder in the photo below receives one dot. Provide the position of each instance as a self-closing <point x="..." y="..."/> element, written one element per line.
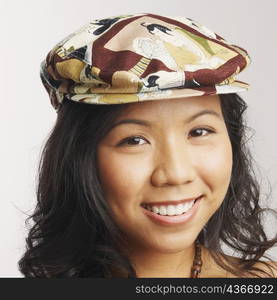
<point x="270" y="266"/>
<point x="212" y="269"/>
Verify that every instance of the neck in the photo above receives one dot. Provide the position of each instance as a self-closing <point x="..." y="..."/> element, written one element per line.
<point x="153" y="264"/>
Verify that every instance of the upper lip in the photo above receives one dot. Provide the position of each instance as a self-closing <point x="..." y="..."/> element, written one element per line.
<point x="172" y="202"/>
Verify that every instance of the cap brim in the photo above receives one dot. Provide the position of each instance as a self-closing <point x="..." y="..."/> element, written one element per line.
<point x="109" y="98"/>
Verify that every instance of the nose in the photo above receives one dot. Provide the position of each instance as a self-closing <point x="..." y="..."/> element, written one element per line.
<point x="174" y="165"/>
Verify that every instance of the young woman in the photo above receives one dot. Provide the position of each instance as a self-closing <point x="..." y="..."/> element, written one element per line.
<point x="146" y="172"/>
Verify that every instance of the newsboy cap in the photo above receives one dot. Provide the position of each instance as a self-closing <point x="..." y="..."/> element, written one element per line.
<point x="141" y="57"/>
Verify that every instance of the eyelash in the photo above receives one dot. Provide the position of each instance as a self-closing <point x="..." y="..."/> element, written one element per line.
<point x="124" y="141"/>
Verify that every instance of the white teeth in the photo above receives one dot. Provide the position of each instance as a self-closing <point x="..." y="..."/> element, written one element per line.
<point x="171" y="210"/>
<point x="188" y="205"/>
<point x="155" y="209"/>
<point x="179" y="209"/>
<point x="162" y="211"/>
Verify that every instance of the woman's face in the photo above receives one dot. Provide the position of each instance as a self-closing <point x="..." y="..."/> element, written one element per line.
<point x="176" y="149"/>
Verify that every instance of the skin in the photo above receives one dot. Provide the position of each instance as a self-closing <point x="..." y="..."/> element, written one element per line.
<point x="171" y="160"/>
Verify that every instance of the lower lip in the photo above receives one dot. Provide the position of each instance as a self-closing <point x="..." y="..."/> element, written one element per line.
<point x="173" y="220"/>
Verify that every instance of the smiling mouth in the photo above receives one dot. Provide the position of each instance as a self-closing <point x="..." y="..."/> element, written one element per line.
<point x="179" y="208"/>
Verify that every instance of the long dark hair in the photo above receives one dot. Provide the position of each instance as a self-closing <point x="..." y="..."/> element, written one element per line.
<point x="72" y="232"/>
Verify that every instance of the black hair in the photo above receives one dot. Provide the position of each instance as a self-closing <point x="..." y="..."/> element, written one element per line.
<point x="72" y="232"/>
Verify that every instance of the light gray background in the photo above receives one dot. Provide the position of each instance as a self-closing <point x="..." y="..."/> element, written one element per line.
<point x="30" y="28"/>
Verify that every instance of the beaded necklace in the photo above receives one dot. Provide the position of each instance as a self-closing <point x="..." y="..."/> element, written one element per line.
<point x="197" y="261"/>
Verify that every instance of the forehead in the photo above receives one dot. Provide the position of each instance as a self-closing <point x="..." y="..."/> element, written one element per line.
<point x="168" y="107"/>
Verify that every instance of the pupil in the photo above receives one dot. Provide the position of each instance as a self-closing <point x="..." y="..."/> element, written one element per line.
<point x="198" y="131"/>
<point x="136" y="139"/>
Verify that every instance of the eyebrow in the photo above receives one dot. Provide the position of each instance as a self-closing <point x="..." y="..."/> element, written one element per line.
<point x="149" y="124"/>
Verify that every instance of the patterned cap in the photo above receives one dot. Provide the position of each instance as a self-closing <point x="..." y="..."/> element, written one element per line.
<point x="140" y="57"/>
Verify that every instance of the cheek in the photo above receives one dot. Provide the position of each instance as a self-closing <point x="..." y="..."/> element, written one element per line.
<point x="215" y="166"/>
<point x="122" y="177"/>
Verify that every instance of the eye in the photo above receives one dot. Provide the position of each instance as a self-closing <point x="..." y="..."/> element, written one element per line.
<point x="132" y="141"/>
<point x="198" y="132"/>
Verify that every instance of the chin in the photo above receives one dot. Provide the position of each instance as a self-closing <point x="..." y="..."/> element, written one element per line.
<point x="173" y="243"/>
